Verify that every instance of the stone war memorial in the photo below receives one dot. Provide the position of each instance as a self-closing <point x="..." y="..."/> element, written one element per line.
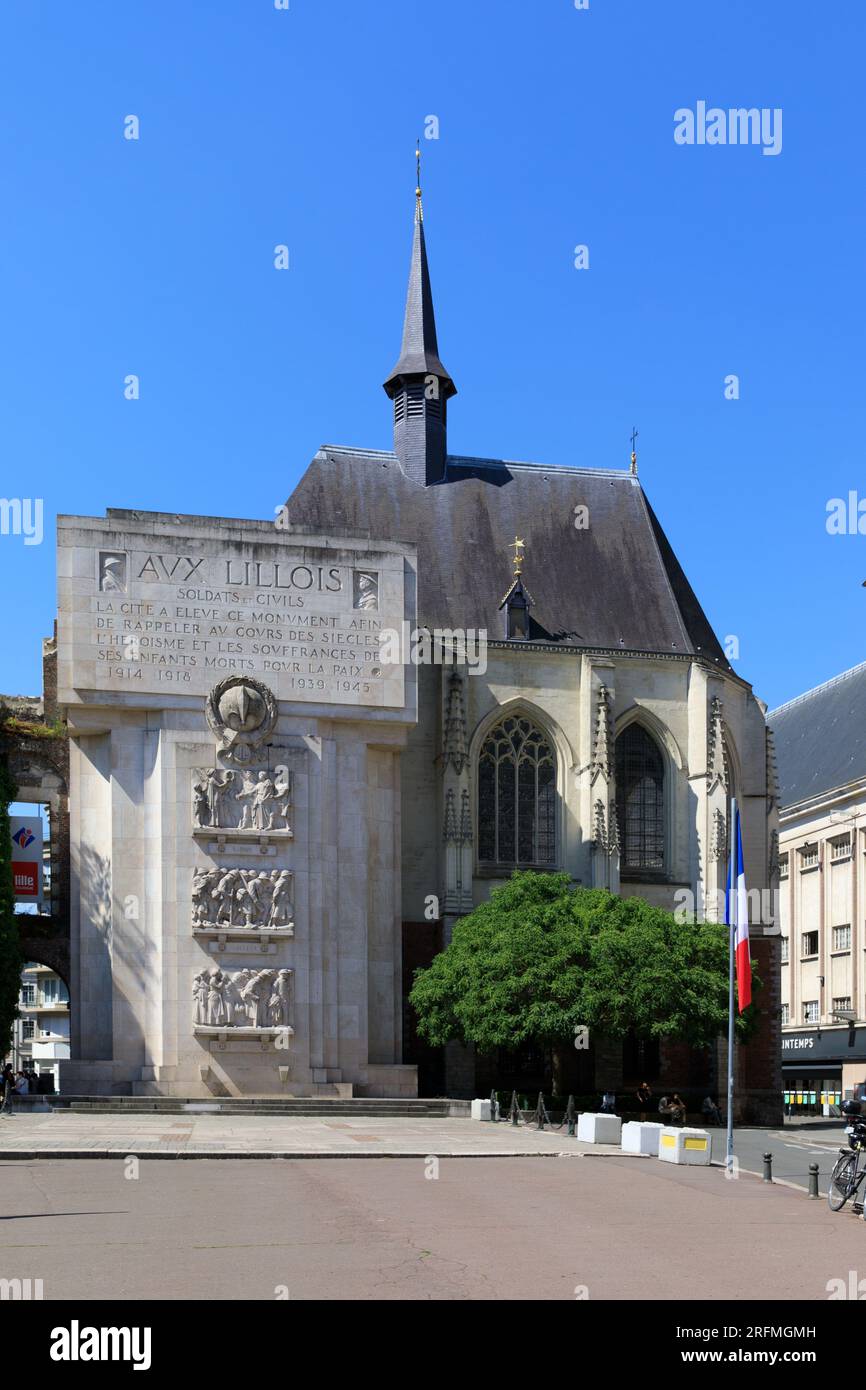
<point x="234" y="741"/>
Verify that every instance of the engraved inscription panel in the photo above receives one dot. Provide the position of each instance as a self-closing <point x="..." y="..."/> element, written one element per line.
<point x="145" y="613"/>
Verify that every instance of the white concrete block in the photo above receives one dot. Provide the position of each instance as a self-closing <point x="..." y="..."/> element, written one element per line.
<point x="480" y="1110"/>
<point x="689" y="1146"/>
<point x="599" y="1129"/>
<point x="641" y="1137"/>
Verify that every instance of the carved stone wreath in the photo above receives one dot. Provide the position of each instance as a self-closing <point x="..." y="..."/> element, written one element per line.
<point x="242" y="712"/>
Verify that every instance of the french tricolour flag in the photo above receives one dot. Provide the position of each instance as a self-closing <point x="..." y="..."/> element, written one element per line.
<point x="737" y="914"/>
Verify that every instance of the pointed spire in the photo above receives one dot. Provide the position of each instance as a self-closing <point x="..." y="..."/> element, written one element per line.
<point x="419" y="354"/>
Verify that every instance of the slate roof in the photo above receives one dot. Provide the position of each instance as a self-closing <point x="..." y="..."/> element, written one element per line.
<point x="616" y="584"/>
<point x="821" y="737"/>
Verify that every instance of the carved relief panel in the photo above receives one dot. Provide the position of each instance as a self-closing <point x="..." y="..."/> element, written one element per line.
<point x="250" y="799"/>
<point x="224" y="898"/>
<point x="241" y="999"/>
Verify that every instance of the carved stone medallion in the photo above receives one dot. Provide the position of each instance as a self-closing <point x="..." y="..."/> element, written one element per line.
<point x="242" y="712"/>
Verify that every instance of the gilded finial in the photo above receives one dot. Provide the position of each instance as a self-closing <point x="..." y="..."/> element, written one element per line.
<point x="518" y="547"/>
<point x="418" y="178"/>
<point x="633" y="453"/>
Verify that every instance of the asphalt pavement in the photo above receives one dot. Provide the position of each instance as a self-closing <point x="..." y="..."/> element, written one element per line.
<point x="520" y="1228"/>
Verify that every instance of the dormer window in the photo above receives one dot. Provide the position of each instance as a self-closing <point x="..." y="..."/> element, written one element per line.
<point x="517" y="616"/>
<point x="517" y="601"/>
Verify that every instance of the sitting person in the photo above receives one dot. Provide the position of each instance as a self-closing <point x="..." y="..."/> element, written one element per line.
<point x="711" y="1111"/>
<point x="673" y="1109"/>
<point x="678" y="1109"/>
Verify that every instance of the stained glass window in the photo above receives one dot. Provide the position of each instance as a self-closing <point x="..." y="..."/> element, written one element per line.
<point x="516" y="795"/>
<point x="640" y="801"/>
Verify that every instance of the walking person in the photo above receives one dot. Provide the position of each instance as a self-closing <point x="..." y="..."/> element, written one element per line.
<point x="7" y="1086"/>
<point x="644" y="1097"/>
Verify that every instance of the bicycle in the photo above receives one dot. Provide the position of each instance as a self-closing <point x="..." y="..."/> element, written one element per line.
<point x="848" y="1174"/>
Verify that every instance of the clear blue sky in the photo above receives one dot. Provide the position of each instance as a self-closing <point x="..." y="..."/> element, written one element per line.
<point x="261" y="126"/>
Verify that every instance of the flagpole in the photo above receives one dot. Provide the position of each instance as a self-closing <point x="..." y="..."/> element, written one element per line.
<point x="731" y="913"/>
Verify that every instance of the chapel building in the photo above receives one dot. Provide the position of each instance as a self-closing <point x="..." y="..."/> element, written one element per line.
<point x="603" y="735"/>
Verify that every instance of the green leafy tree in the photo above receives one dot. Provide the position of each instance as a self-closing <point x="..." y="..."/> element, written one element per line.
<point x="10" y="951"/>
<point x="541" y="958"/>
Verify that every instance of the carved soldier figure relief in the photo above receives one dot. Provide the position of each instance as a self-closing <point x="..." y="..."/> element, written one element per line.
<point x="217" y="1015"/>
<point x="365" y="590"/>
<point x="278" y="1004"/>
<point x="281" y="910"/>
<point x="112" y="573"/>
<point x="216" y="794"/>
<point x="203" y="881"/>
<point x="258" y="795"/>
<point x="199" y="996"/>
<point x="237" y="897"/>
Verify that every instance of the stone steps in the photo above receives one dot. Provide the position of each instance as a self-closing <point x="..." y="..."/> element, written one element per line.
<point x="287" y="1106"/>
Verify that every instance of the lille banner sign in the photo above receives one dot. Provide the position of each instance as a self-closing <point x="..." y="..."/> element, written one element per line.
<point x="27" y="858"/>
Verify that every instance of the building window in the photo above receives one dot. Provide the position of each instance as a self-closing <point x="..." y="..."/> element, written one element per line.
<point x="843" y="1002"/>
<point x="809" y="857"/>
<point x="516" y="796"/>
<point x="785" y="950"/>
<point x="810" y="1011"/>
<point x="783" y="866"/>
<point x="841" y="848"/>
<point x="640" y="801"/>
<point x="786" y="1013"/>
<point x="54" y="992"/>
<point x="841" y="938"/>
<point x="28" y="995"/>
<point x="27" y="1029"/>
<point x="810" y="943"/>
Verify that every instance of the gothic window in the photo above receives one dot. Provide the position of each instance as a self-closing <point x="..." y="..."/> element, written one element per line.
<point x="516" y="795"/>
<point x="640" y="801"/>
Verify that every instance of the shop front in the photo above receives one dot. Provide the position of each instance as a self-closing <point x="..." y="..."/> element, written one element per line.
<point x="822" y="1067"/>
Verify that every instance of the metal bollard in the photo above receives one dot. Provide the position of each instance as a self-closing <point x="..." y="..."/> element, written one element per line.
<point x="539" y="1110"/>
<point x="515" y="1109"/>
<point x="569" y="1115"/>
<point x="813" y="1180"/>
<point x="768" y="1167"/>
<point x="494" y="1107"/>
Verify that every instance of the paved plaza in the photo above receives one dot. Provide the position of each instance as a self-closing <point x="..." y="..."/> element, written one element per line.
<point x="64" y="1134"/>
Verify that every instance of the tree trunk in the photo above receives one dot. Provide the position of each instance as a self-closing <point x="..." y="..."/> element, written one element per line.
<point x="559" y="1064"/>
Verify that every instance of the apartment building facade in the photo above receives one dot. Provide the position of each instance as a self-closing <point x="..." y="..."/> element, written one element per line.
<point x="820" y="740"/>
<point x="40" y="1039"/>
